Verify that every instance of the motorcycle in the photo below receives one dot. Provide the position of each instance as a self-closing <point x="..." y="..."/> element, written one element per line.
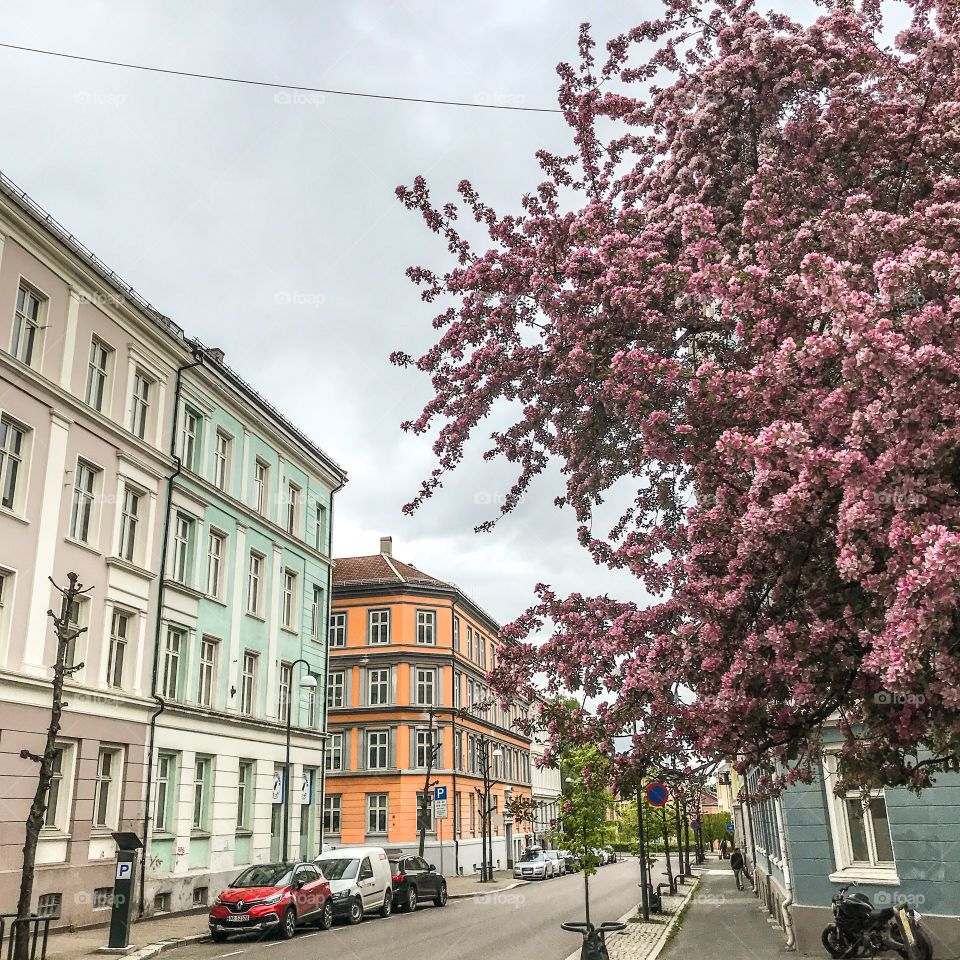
<point x="859" y="930"/>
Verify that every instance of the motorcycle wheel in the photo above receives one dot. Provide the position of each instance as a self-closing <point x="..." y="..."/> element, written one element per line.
<point x="835" y="943"/>
<point x="926" y="948"/>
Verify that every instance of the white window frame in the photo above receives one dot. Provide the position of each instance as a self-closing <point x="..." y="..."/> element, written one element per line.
<point x="317" y="610"/>
<point x="425" y="677"/>
<point x="165" y="806"/>
<point x="191" y="435"/>
<point x="202" y="794"/>
<point x="117" y="646"/>
<point x="28" y="349"/>
<point x="96" y="391"/>
<point x="378" y="804"/>
<point x="380" y="684"/>
<point x="249" y="676"/>
<point x="131" y="500"/>
<point x="139" y="414"/>
<point x="216" y="552"/>
<point x="847" y="869"/>
<point x="261" y="485"/>
<point x="425" y="619"/>
<point x="425" y="743"/>
<point x="284" y="690"/>
<point x="332" y="812"/>
<point x="255" y="565"/>
<point x="172" y="662"/>
<point x="221" y="459"/>
<point x="108" y="788"/>
<point x="336" y="681"/>
<point x="183" y="532"/>
<point x="288" y="606"/>
<point x="320" y="528"/>
<point x="382" y="747"/>
<point x="83" y="508"/>
<point x="207" y="671"/>
<point x="337" y="631"/>
<point x="333" y="758"/>
<point x="56" y="818"/>
<point x="294" y="494"/>
<point x="7" y="586"/>
<point x="245" y="778"/>
<point x="378" y="626"/>
<point x="13" y="462"/>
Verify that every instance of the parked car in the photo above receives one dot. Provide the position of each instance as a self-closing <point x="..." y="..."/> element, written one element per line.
<point x="569" y="861"/>
<point x="558" y="860"/>
<point x="272" y="896"/>
<point x="533" y="865"/>
<point x="611" y="854"/>
<point x="360" y="881"/>
<point x="413" y="880"/>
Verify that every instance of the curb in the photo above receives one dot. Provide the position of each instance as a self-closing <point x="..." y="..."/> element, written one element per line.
<point x="485" y="893"/>
<point x="664" y="934"/>
<point x="155" y="949"/>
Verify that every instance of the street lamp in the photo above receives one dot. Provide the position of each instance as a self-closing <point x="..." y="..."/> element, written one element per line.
<point x="309" y="682"/>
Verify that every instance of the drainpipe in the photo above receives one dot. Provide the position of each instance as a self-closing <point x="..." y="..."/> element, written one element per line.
<point x="453" y="727"/>
<point x="791" y="943"/>
<point x="161" y="589"/>
<point x="326" y="670"/>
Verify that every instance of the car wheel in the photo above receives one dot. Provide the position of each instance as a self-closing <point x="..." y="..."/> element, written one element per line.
<point x="325" y="922"/>
<point x="387" y="907"/>
<point x="411" y="904"/>
<point x="288" y="926"/>
<point x="440" y="900"/>
<point x="218" y="936"/>
<point x="356" y="911"/>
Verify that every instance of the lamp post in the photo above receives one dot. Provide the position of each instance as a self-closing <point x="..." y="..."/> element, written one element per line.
<point x="308" y="682"/>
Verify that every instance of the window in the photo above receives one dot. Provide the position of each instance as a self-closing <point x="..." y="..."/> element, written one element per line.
<point x="182" y="548"/>
<point x="335" y="688"/>
<point x="171" y="663"/>
<point x="378" y="686"/>
<point x="317" y="610"/>
<point x="163" y="902"/>
<point x="190" y="438"/>
<point x="248" y="683"/>
<point x="480" y="645"/>
<point x="56" y="802"/>
<point x="310" y="693"/>
<point x="208" y="671"/>
<point x="456" y="634"/>
<point x="426" y="679"/>
<point x="470" y="643"/>
<point x="129" y="521"/>
<point x="254" y="578"/>
<point x="424" y="808"/>
<point x="427" y="626"/>
<point x="215" y="555"/>
<point x="102" y="898"/>
<point x="458" y="751"/>
<point x="338" y="630"/>
<point x="244" y="794"/>
<point x="286" y="684"/>
<point x="201" y="794"/>
<point x="97" y="373"/>
<point x="320" y="528"/>
<point x="12" y="451"/>
<point x="140" y="403"/>
<point x="376" y="813"/>
<point x="221" y="460"/>
<point x="261" y="480"/>
<point x="75" y="621"/>
<point x="27" y="326"/>
<point x="81" y="515"/>
<point x="106" y="794"/>
<point x="6" y="601"/>
<point x="424" y="748"/>
<point x="334" y="755"/>
<point x="166" y="789"/>
<point x="378" y="627"/>
<point x="293" y="509"/>
<point x="289" y="599"/>
<point x="332" y="813"/>
<point x="378" y="749"/>
<point x="119" y="631"/>
<point x="457" y="688"/>
<point x="473" y="815"/>
<point x="201" y="896"/>
<point x="49" y="905"/>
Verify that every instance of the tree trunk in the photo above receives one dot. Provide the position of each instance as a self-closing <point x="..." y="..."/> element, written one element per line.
<point x="38" y="809"/>
<point x="425" y="800"/>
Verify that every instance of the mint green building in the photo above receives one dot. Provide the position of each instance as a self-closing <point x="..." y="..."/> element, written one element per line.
<point x="240" y="641"/>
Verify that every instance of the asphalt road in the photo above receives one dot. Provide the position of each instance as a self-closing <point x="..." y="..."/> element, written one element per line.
<point x="514" y="925"/>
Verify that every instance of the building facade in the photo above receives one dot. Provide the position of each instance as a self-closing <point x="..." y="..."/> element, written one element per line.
<point x="546" y="791"/>
<point x="409" y="655"/>
<point x="810" y="842"/>
<point x="99" y="475"/>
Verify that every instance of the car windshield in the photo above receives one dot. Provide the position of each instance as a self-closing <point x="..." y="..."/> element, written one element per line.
<point x="530" y="856"/>
<point x="265" y="875"/>
<point x="339" y="868"/>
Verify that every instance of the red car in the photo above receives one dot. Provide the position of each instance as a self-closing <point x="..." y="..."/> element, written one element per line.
<point x="272" y="896"/>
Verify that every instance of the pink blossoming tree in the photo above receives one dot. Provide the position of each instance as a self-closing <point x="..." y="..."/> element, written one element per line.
<point x="739" y="294"/>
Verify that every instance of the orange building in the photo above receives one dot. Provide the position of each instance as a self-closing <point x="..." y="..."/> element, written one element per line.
<point x="408" y="660"/>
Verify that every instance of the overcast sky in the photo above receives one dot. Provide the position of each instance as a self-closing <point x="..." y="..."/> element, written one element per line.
<point x="270" y="228"/>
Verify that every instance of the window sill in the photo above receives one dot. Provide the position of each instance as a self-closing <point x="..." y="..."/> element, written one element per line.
<point x="131" y="567"/>
<point x="13" y="515"/>
<point x="184" y="588"/>
<point x="255" y="616"/>
<point x="214" y="599"/>
<point x="200" y="834"/>
<point x="243" y="832"/>
<point x="83" y="546"/>
<point x="863" y="873"/>
<point x="53" y="833"/>
<point x="291" y="630"/>
<point x="102" y="833"/>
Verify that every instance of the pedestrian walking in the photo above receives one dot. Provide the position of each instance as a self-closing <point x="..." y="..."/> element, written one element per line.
<point x="723" y="849"/>
<point x="736" y="865"/>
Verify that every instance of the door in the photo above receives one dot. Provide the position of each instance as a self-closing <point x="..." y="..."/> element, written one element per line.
<point x="428" y="880"/>
<point x="308" y="890"/>
<point x="368" y="885"/>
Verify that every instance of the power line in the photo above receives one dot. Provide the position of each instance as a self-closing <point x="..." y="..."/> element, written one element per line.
<point x="278" y="86"/>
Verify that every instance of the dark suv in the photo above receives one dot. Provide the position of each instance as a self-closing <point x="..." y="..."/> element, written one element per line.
<point x="414" y="880"/>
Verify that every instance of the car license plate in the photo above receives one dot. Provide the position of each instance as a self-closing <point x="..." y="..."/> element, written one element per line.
<point x="238" y="917"/>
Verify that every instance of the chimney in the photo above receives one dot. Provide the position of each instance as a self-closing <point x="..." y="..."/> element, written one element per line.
<point x="386" y="546"/>
<point x="215" y="353"/>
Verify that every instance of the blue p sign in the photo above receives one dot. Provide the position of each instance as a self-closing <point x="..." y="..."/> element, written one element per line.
<point x="124" y="870"/>
<point x="439" y="793"/>
<point x="729" y="828"/>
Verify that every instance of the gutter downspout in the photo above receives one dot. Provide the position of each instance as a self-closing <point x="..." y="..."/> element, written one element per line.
<point x="457" y="812"/>
<point x="326" y="669"/>
<point x="161" y="589"/>
<point x="791" y="943"/>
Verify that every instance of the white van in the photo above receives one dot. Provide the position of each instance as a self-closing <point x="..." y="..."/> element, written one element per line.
<point x="360" y="881"/>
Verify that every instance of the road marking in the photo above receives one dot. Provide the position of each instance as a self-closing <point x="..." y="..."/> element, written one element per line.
<point x="220" y="956"/>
